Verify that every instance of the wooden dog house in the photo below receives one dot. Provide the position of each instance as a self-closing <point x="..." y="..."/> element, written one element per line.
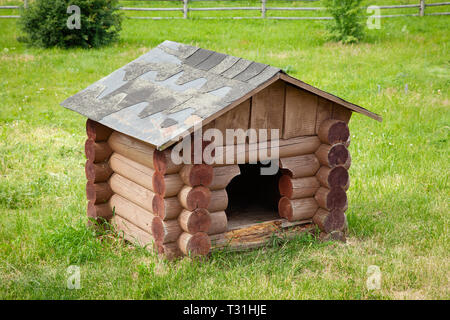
<point x="137" y="115"/>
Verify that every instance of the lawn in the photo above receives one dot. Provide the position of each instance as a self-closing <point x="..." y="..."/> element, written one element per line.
<point x="399" y="197"/>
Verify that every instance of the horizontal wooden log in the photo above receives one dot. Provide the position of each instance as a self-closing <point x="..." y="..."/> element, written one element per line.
<point x="328" y="221"/>
<point x="132" y="233"/>
<point x="165" y="185"/>
<point x="167" y="208"/>
<point x="332" y="236"/>
<point x="333" y="177"/>
<point x="194" y="221"/>
<point x="143" y="153"/>
<point x="132" y="212"/>
<point x="133" y="192"/>
<point x="297" y="209"/>
<point x="96" y="211"/>
<point x="97" y="131"/>
<point x="192" y="245"/>
<point x="219" y="200"/>
<point x="165" y="231"/>
<point x="300" y="166"/>
<point x="332" y="156"/>
<point x="287" y="148"/>
<point x="97" y="151"/>
<point x="97" y="172"/>
<point x="98" y="192"/>
<point x="333" y="131"/>
<point x="223" y="175"/>
<point x="168" y="251"/>
<point x="298" y="188"/>
<point x="194" y="197"/>
<point x="219" y="222"/>
<point x="259" y="234"/>
<point x="197" y="174"/>
<point x="329" y="199"/>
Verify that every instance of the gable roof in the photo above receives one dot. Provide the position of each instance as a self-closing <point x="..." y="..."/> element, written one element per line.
<point x="161" y="95"/>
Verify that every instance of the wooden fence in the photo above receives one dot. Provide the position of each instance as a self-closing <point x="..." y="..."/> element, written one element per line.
<point x="185" y="9"/>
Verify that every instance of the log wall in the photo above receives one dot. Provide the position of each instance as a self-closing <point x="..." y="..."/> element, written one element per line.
<point x="178" y="209"/>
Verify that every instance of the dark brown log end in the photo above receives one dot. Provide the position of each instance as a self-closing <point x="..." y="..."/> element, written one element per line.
<point x="198" y="197"/>
<point x="89" y="149"/>
<point x="199" y="244"/>
<point x="98" y="192"/>
<point x="338" y="177"/>
<point x="98" y="211"/>
<point x="160" y="161"/>
<point x="333" y="236"/>
<point x="168" y="251"/>
<point x="285" y="186"/>
<point x="158" y="206"/>
<point x="338" y="155"/>
<point x="199" y="221"/>
<point x="97" y="151"/>
<point x="338" y="132"/>
<point x="157" y="229"/>
<point x="97" y="172"/>
<point x="159" y="183"/>
<point x="285" y="208"/>
<point x="337" y="198"/>
<point x="201" y="174"/>
<point x="97" y="131"/>
<point x="329" y="221"/>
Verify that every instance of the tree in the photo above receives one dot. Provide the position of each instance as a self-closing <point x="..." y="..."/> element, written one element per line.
<point x="71" y="23"/>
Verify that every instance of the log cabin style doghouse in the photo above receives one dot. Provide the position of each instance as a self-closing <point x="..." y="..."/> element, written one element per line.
<point x="153" y="108"/>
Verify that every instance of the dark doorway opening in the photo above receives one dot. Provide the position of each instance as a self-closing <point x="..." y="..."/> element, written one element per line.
<point x="252" y="197"/>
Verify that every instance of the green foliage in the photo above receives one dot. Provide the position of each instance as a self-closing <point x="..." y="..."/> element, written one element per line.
<point x="347" y="25"/>
<point x="45" y="23"/>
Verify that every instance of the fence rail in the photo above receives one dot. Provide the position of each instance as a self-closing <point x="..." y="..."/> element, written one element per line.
<point x="185" y="9"/>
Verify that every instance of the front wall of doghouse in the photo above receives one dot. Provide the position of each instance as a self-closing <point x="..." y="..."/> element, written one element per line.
<point x="160" y="204"/>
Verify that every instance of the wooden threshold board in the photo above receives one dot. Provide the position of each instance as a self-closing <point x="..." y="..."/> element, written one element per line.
<point x="249" y="230"/>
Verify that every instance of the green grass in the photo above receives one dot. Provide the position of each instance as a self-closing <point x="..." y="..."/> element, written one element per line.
<point x="398" y="215"/>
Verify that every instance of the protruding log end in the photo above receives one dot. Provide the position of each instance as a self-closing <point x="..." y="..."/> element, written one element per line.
<point x="195" y="221"/>
<point x="192" y="198"/>
<point x="97" y="131"/>
<point x="329" y="221"/>
<point x="158" y="183"/>
<point x="162" y="162"/>
<point x="157" y="230"/>
<point x="333" y="236"/>
<point x="285" y="186"/>
<point x="98" y="192"/>
<point x="332" y="156"/>
<point x="333" y="131"/>
<point x="329" y="199"/>
<point x="99" y="211"/>
<point x="333" y="177"/>
<point x="197" y="174"/>
<point x="97" y="172"/>
<point x="169" y="251"/>
<point x="97" y="151"/>
<point x="298" y="188"/>
<point x="298" y="209"/>
<point x="197" y="244"/>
